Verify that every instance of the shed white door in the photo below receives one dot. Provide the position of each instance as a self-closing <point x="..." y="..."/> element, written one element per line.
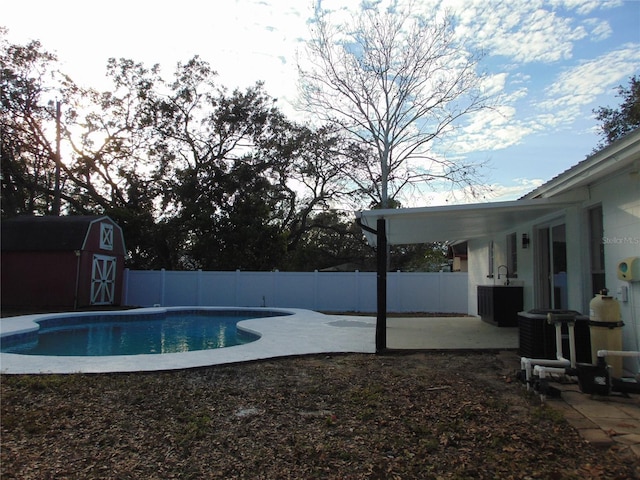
<point x="103" y="280"/>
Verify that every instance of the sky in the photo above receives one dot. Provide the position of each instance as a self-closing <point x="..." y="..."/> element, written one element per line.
<point x="551" y="61"/>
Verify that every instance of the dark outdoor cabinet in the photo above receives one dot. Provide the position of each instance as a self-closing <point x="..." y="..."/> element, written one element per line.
<point x="499" y="305"/>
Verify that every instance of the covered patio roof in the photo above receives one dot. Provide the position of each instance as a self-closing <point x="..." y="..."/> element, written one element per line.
<point x="447" y="223"/>
<point x="455" y="222"/>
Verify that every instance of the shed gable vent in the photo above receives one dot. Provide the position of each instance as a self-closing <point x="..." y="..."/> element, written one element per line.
<point x="106" y="236"/>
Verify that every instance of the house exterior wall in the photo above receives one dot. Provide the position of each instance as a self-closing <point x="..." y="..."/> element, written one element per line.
<point x="484" y="272"/>
<point x="621" y="222"/>
<point x="619" y="197"/>
<point x="477" y="258"/>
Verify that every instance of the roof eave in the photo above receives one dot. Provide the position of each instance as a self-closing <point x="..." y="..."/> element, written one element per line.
<point x="456" y="222"/>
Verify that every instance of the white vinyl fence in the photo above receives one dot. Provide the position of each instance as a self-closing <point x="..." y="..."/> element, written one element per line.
<point x="324" y="291"/>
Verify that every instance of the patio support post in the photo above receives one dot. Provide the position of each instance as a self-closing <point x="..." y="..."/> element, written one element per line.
<point x="381" y="253"/>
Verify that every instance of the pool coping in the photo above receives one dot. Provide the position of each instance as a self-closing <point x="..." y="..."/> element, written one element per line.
<point x="296" y="332"/>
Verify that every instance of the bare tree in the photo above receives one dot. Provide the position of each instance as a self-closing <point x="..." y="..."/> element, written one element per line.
<point x="396" y="81"/>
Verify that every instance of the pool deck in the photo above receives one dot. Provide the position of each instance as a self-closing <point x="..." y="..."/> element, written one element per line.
<point x="300" y="333"/>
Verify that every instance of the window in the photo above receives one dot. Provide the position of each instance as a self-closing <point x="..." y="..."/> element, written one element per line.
<point x="106" y="236"/>
<point x="490" y="260"/>
<point x="512" y="254"/>
<point x="551" y="267"/>
<point x="596" y="249"/>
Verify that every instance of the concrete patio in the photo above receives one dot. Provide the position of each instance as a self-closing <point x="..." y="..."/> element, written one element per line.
<point x="448" y="333"/>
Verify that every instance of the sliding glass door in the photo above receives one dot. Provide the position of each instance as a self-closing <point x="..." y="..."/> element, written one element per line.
<point x="551" y="267"/>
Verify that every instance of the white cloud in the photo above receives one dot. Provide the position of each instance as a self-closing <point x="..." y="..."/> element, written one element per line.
<point x="522" y="30"/>
<point x="494" y="84"/>
<point x="493" y="128"/>
<point x="528" y="30"/>
<point x="580" y="86"/>
<point x="490" y="129"/>
<point x="519" y="187"/>
<point x="585" y="7"/>
<point x="495" y="192"/>
<point x="494" y="135"/>
<point x="599" y="29"/>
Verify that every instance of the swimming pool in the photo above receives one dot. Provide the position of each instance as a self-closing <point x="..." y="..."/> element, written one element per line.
<point x="284" y="332"/>
<point x="135" y="333"/>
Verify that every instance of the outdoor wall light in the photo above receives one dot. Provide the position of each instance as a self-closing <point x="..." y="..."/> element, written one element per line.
<point x="525" y="240"/>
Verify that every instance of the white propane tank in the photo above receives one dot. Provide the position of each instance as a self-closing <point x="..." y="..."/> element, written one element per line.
<point x="605" y="327"/>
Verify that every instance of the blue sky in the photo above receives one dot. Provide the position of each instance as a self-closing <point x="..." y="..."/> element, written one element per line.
<point x="552" y="61"/>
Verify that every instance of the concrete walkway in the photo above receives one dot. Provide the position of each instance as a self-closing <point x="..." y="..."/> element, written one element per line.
<point x="608" y="422"/>
<point x="603" y="420"/>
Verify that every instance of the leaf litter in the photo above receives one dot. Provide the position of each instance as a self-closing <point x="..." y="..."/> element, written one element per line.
<point x="429" y="415"/>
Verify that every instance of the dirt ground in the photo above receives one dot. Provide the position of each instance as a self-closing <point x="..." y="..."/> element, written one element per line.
<point x="411" y="416"/>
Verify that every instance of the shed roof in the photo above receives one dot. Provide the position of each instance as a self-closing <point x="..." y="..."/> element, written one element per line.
<point x="46" y="233"/>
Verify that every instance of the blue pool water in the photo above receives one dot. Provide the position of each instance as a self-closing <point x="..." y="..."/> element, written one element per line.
<point x="170" y="332"/>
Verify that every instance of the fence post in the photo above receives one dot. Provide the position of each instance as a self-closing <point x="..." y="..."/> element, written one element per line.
<point x="125" y="287"/>
<point x="315" y="289"/>
<point x="440" y="280"/>
<point x="162" y="287"/>
<point x="276" y="289"/>
<point x="237" y="289"/>
<point x="198" y="275"/>
<point x="356" y="276"/>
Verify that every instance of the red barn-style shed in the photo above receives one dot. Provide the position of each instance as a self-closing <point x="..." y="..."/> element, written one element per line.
<point x="72" y="261"/>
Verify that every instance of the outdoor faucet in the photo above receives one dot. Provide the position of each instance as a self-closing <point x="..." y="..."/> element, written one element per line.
<point x="506" y="275"/>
